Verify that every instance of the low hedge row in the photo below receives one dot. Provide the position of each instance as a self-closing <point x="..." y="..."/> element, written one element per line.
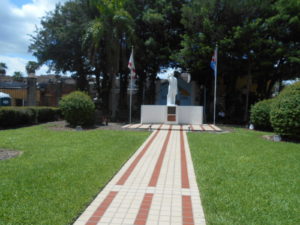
<point x="16" y="116"/>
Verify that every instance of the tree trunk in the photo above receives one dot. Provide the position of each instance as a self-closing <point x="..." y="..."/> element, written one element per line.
<point x="249" y="83"/>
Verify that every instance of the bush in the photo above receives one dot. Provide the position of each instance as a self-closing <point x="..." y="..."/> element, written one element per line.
<point x="285" y="112"/>
<point x="46" y="114"/>
<point x="16" y="116"/>
<point x="290" y="89"/>
<point x="78" y="109"/>
<point x="260" y="114"/>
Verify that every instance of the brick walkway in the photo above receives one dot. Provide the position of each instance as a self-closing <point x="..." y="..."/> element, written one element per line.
<point x="187" y="127"/>
<point x="157" y="186"/>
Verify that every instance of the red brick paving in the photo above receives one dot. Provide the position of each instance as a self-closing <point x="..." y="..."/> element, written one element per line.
<point x="142" y="215"/>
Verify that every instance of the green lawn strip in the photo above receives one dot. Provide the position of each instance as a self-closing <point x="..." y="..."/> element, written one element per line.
<point x="247" y="180"/>
<point x="59" y="172"/>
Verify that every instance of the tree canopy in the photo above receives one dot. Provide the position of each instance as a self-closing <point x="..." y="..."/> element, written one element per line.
<point x="259" y="41"/>
<point x="31" y="67"/>
<point x="18" y="76"/>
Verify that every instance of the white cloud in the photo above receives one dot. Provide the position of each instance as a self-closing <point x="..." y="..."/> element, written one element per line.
<point x="17" y="23"/>
<point x="18" y="64"/>
<point x="14" y="64"/>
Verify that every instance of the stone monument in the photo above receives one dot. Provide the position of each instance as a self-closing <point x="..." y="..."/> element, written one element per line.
<point x="172" y="113"/>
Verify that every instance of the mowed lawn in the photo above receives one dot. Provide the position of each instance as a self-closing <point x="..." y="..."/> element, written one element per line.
<point x="247" y="180"/>
<point x="59" y="172"/>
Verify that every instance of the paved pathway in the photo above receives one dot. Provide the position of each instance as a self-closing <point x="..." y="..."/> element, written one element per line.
<point x="186" y="127"/>
<point x="157" y="186"/>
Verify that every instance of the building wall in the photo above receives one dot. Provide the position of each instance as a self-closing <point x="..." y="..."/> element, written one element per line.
<point x="19" y="95"/>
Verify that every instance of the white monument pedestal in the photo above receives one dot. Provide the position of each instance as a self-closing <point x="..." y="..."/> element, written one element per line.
<point x="171" y="114"/>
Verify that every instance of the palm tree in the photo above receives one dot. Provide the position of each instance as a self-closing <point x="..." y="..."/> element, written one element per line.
<point x="3" y="68"/>
<point x="106" y="37"/>
<point x="108" y="32"/>
<point x="18" y="76"/>
<point x="31" y="67"/>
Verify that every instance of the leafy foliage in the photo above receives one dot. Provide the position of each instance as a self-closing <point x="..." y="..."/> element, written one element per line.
<point x="258" y="43"/>
<point x="291" y="89"/>
<point x="31" y="67"/>
<point x="16" y="116"/>
<point x="58" y="43"/>
<point x="260" y="114"/>
<point x="46" y="114"/>
<point x="18" y="76"/>
<point x="78" y="109"/>
<point x="285" y="112"/>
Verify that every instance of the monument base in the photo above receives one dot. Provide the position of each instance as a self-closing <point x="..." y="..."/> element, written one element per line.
<point x="171" y="114"/>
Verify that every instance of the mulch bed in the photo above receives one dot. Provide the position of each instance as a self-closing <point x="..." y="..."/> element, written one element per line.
<point x="7" y="154"/>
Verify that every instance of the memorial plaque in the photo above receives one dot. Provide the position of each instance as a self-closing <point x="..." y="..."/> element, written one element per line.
<point x="171" y="110"/>
<point x="171" y="118"/>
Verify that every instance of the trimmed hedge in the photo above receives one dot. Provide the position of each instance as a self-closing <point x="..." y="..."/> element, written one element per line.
<point x="46" y="114"/>
<point x="260" y="114"/>
<point x="78" y="109"/>
<point x="16" y="116"/>
<point x="285" y="112"/>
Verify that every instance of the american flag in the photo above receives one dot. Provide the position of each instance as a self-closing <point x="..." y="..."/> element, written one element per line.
<point x="131" y="65"/>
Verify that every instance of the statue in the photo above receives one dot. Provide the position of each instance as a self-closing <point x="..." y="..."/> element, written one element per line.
<point x="172" y="90"/>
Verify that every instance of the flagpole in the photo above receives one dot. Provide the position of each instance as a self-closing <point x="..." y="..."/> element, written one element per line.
<point x="130" y="99"/>
<point x="215" y="92"/>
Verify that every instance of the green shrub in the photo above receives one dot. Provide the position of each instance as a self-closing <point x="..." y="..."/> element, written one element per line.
<point x="285" y="115"/>
<point x="260" y="114"/>
<point x="78" y="109"/>
<point x="285" y="112"/>
<point x="16" y="116"/>
<point x="46" y="114"/>
<point x="290" y="89"/>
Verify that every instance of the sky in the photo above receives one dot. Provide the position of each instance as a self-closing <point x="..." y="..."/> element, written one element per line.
<point x="19" y="19"/>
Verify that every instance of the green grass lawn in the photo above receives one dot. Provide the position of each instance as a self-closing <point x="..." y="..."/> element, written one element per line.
<point x="247" y="180"/>
<point x="59" y="172"/>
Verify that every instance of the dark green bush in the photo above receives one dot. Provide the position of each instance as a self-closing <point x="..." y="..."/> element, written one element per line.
<point x="285" y="112"/>
<point x="46" y="114"/>
<point x="78" y="109"/>
<point x="16" y="116"/>
<point x="260" y="114"/>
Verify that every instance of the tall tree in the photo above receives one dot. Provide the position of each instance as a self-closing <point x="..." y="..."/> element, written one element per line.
<point x="249" y="50"/>
<point x="107" y="36"/>
<point x="158" y="30"/>
<point x="58" y="43"/>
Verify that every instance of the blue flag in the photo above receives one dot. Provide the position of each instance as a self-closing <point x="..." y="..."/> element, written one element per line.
<point x="213" y="63"/>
